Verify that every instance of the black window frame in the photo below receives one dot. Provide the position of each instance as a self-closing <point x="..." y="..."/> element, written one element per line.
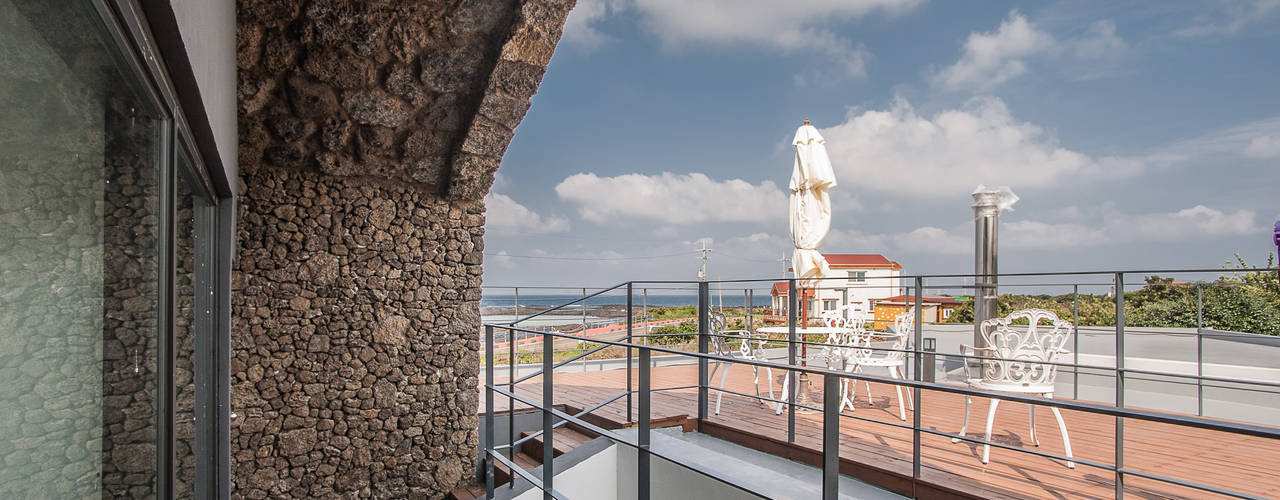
<point x="127" y="25"/>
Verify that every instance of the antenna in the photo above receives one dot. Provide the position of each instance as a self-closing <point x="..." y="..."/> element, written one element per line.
<point x="786" y="263"/>
<point x="702" y="273"/>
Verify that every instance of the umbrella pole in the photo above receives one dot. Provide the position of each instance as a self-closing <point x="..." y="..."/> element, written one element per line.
<point x="802" y="386"/>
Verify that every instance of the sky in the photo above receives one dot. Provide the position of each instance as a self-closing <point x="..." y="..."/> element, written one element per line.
<point x="1138" y="135"/>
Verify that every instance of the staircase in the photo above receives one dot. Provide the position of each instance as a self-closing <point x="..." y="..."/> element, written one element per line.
<point x="529" y="457"/>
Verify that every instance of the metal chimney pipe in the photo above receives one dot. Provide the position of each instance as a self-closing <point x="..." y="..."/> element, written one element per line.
<point x="987" y="204"/>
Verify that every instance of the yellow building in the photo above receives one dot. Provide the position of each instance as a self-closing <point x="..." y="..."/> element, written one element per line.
<point x="936" y="309"/>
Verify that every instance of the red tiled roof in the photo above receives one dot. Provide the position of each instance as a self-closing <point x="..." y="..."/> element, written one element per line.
<point x="782" y="288"/>
<point x="912" y="298"/>
<point x="860" y="260"/>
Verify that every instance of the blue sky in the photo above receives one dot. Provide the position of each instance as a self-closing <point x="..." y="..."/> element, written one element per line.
<point x="1138" y="136"/>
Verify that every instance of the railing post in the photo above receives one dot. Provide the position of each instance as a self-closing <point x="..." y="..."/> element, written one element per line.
<point x="642" y="438"/>
<point x="751" y="305"/>
<point x="488" y="412"/>
<point x="793" y="307"/>
<point x="644" y="311"/>
<point x="704" y="328"/>
<point x="548" y="425"/>
<point x="919" y="366"/>
<point x="511" y="400"/>
<point x="630" y="321"/>
<point x="1075" y="339"/>
<point x="1199" y="349"/>
<point x="1119" y="437"/>
<point x="830" y="436"/>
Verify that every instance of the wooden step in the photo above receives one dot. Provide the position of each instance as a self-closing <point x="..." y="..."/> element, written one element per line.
<point x="564" y="439"/>
<point x="467" y="493"/>
<point x="501" y="474"/>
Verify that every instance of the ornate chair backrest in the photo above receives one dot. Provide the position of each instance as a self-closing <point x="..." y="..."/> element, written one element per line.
<point x="719" y="344"/>
<point x="1021" y="352"/>
<point x="904" y="326"/>
<point x="849" y="320"/>
<point x="749" y="347"/>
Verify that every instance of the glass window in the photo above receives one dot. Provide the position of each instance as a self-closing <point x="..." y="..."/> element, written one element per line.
<point x="829" y="304"/>
<point x="81" y="157"/>
<point x="858" y="276"/>
<point x="186" y="267"/>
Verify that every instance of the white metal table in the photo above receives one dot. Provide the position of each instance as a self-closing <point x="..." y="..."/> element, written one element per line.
<point x="801" y="334"/>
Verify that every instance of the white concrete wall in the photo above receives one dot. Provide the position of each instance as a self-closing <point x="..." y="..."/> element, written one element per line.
<point x="595" y="477"/>
<point x="668" y="480"/>
<point x="611" y="475"/>
<point x="879" y="284"/>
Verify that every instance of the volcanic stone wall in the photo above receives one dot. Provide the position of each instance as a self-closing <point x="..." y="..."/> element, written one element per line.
<point x="370" y="132"/>
<point x="355" y="349"/>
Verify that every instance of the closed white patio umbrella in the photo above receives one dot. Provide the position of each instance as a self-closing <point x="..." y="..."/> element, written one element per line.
<point x="811" y="177"/>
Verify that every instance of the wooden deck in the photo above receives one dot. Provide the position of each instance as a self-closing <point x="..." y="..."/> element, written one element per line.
<point x="881" y="454"/>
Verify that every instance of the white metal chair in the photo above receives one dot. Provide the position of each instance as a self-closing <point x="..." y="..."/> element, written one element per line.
<point x="750" y="346"/>
<point x="1016" y="361"/>
<point x="850" y="320"/>
<point x="859" y="355"/>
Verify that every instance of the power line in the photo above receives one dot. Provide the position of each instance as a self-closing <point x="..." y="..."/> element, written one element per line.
<point x="547" y="257"/>
<point x="731" y="256"/>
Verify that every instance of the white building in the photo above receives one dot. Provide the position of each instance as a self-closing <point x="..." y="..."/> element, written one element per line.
<point x="860" y="278"/>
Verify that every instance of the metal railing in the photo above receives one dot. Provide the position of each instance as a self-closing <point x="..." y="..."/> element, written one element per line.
<point x="832" y="381"/>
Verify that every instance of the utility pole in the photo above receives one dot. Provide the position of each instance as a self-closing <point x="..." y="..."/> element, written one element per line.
<point x="702" y="273"/>
<point x="786" y="264"/>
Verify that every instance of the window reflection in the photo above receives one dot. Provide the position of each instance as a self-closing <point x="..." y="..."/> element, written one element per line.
<point x="79" y="167"/>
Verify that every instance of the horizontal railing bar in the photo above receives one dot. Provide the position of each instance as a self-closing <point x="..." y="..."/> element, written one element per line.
<point x="676" y="388"/>
<point x="615" y="437"/>
<point x="565" y="362"/>
<point x="1038" y="453"/>
<point x="995" y="275"/>
<point x="1111" y="369"/>
<point x="911" y="351"/>
<point x="842" y="414"/>
<point x="567" y="304"/>
<point x="1203" y="377"/>
<point x="564" y="416"/>
<point x="1189" y="484"/>
<point x="526" y="475"/>
<point x="1188" y="421"/>
<point x="579" y="414"/>
<point x="1055" y="456"/>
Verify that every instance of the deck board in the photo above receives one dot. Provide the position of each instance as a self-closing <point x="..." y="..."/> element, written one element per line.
<point x="1230" y="461"/>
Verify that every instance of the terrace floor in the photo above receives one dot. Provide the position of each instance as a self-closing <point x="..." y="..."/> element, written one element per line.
<point x="881" y="454"/>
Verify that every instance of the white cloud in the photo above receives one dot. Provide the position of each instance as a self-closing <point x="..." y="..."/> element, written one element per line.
<point x="501" y="259"/>
<point x="1190" y="224"/>
<point x="790" y="27"/>
<point x="505" y="217"/>
<point x="900" y="151"/>
<point x="1197" y="222"/>
<point x="992" y="58"/>
<point x="1263" y="146"/>
<point x="1101" y="42"/>
<point x="579" y="31"/>
<point x="1257" y="139"/>
<point x="672" y="199"/>
<point x="1231" y="18"/>
<point x="1035" y="235"/>
<point x="927" y="239"/>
